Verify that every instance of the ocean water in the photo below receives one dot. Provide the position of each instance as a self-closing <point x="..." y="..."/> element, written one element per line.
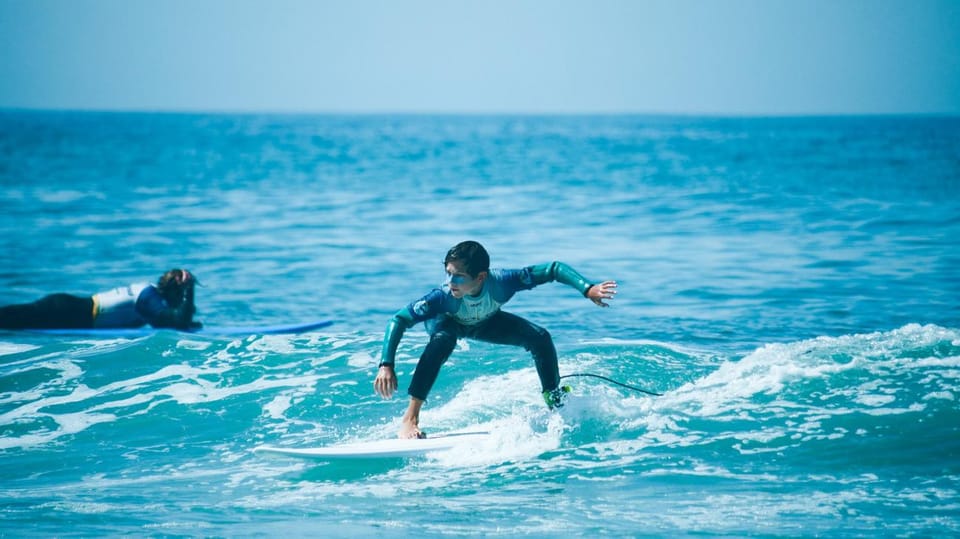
<point x="790" y="285"/>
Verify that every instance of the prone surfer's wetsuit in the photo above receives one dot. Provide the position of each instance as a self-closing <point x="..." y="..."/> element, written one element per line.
<point x="124" y="307"/>
<point x="479" y="317"/>
<point x="54" y="311"/>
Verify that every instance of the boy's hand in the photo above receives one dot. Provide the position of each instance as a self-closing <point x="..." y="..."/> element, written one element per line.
<point x="602" y="291"/>
<point x="386" y="382"/>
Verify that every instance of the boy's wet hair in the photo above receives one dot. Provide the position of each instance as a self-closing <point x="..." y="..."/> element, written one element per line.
<point x="471" y="254"/>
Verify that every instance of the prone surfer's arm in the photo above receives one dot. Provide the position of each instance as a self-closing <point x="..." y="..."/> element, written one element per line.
<point x="151" y="305"/>
<point x="181" y="317"/>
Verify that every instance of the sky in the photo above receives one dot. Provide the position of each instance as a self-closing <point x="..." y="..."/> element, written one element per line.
<point x="713" y="57"/>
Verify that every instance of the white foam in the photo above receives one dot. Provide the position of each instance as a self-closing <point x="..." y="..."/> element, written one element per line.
<point x="77" y="422"/>
<point x="361" y="359"/>
<point x="875" y="401"/>
<point x="275" y="408"/>
<point x="198" y="390"/>
<point x="180" y="382"/>
<point x="512" y="438"/>
<point x="633" y="343"/>
<point x="8" y="348"/>
<point x="189" y="344"/>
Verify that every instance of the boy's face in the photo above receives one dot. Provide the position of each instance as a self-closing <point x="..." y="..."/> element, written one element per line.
<point x="462" y="283"/>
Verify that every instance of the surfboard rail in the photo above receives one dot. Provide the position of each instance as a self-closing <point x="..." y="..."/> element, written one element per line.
<point x="388" y="448"/>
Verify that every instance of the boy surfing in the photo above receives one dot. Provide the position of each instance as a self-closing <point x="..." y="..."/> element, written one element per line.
<point x="468" y="306"/>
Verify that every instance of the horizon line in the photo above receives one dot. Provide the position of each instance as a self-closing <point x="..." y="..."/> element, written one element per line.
<point x="452" y="113"/>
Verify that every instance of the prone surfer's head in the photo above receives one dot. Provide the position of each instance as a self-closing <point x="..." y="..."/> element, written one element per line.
<point x="173" y="284"/>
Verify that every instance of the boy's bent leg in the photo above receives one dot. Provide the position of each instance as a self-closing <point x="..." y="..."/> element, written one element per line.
<point x="506" y="328"/>
<point x="435" y="354"/>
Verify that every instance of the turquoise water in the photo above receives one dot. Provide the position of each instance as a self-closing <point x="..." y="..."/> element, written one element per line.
<point x="790" y="285"/>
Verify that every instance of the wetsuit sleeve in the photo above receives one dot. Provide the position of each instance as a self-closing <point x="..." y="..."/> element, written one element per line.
<point x="155" y="310"/>
<point x="391" y="339"/>
<point x="560" y="272"/>
<point x="425" y="308"/>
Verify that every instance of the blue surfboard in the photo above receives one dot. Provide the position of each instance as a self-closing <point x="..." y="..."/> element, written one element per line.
<point x="283" y="329"/>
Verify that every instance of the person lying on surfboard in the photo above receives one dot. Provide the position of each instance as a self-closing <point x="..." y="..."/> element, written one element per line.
<point x="167" y="304"/>
<point x="468" y="306"/>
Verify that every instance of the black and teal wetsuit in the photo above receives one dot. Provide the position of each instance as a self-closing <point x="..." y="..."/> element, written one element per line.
<point x="479" y="317"/>
<point x="129" y="306"/>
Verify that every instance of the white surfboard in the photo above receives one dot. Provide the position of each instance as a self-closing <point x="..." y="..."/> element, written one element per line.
<point x="392" y="448"/>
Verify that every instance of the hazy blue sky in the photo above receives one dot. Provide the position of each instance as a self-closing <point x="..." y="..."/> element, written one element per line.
<point x="670" y="56"/>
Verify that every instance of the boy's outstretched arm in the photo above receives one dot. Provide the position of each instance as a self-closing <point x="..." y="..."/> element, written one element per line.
<point x="562" y="273"/>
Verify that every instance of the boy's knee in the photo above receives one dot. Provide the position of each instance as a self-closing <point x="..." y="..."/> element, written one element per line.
<point x="443" y="339"/>
<point x="541" y="336"/>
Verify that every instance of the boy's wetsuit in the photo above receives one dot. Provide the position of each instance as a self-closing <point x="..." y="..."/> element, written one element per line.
<point x="479" y="317"/>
